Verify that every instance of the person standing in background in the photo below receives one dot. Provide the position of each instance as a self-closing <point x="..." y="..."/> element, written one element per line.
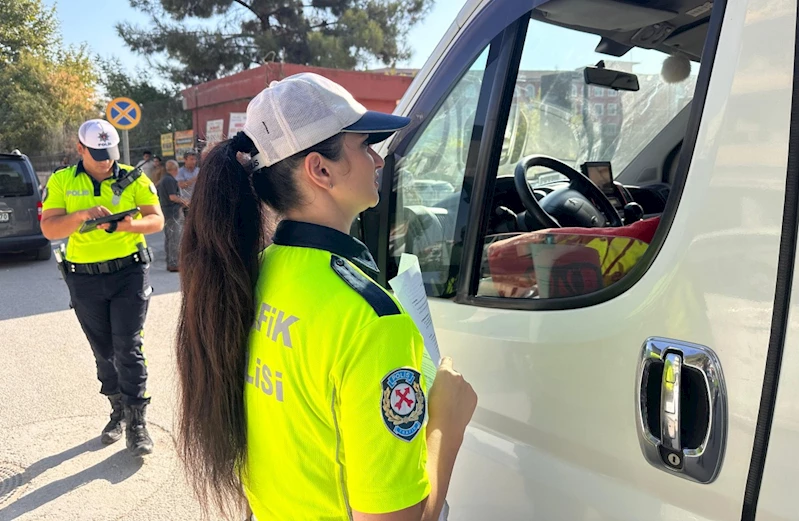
<point x="158" y="170"/>
<point x="172" y="204"/>
<point x="146" y="163"/>
<point x="187" y="176"/>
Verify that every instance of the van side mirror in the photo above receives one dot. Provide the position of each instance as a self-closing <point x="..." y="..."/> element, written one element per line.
<point x="616" y="80"/>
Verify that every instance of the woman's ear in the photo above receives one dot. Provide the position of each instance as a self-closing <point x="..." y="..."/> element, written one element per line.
<point x="317" y="171"/>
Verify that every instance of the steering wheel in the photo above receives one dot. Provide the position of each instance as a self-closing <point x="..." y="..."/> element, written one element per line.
<point x="576" y="203"/>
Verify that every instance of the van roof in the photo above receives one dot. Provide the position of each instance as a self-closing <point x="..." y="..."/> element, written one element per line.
<point x="670" y="26"/>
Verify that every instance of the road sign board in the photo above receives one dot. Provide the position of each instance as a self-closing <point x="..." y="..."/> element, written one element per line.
<point x="167" y="144"/>
<point x="123" y="113"/>
<point x="236" y="123"/>
<point x="184" y="142"/>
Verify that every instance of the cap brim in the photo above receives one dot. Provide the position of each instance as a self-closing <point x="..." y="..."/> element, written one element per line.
<point x="378" y="126"/>
<point x="104" y="154"/>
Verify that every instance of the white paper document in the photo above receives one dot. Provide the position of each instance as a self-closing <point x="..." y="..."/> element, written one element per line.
<point x="408" y="287"/>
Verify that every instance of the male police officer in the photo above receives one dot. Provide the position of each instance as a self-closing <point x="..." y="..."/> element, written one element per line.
<point x="106" y="269"/>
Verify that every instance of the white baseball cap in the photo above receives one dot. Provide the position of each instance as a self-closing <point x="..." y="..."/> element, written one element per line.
<point x="302" y="110"/>
<point x="101" y="138"/>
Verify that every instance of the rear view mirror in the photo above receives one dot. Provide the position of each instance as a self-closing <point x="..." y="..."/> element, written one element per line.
<point x="616" y="80"/>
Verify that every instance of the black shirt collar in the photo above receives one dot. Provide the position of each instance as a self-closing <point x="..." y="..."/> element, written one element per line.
<point x="307" y="235"/>
<point x="114" y="170"/>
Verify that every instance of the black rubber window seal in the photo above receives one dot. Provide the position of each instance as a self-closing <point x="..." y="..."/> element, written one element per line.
<point x="782" y="302"/>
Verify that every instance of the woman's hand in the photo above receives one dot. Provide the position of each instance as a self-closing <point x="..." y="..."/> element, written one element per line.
<point x="452" y="402"/>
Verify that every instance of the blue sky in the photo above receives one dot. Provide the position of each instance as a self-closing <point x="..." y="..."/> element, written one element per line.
<point x="92" y="22"/>
<point x="547" y="47"/>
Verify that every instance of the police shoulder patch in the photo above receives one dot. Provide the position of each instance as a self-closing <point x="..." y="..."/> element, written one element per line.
<point x="153" y="189"/>
<point x="44" y="194"/>
<point x="403" y="404"/>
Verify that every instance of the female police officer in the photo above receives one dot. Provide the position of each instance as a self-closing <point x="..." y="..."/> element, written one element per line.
<point x="106" y="270"/>
<point x="300" y="376"/>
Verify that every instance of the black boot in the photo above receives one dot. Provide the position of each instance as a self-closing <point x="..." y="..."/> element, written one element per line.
<point x="139" y="441"/>
<point x="113" y="430"/>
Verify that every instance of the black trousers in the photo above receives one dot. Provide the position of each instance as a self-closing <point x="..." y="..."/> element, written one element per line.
<point x="111" y="309"/>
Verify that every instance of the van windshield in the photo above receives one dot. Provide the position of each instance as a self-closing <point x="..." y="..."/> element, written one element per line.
<point x="14" y="182"/>
<point x="555" y="113"/>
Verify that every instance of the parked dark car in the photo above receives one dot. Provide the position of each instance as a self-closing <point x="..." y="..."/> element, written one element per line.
<point x="21" y="208"/>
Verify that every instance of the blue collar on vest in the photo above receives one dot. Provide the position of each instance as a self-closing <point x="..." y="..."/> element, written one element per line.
<point x="307" y="235"/>
<point x="114" y="170"/>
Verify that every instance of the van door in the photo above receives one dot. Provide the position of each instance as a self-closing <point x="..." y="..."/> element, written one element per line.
<point x="638" y="397"/>
<point x="18" y="199"/>
<point x="775" y="465"/>
<point x="774" y="471"/>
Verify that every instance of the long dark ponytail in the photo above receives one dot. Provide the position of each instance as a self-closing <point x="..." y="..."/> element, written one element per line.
<point x="219" y="260"/>
<point x="222" y="238"/>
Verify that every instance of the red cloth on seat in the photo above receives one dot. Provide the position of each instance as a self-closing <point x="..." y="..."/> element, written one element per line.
<point x="572" y="269"/>
<point x="643" y="230"/>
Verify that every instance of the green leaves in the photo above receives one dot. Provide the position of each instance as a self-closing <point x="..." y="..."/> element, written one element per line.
<point x="46" y="90"/>
<point x="342" y="34"/>
<point x="162" y="110"/>
<point x="26" y="26"/>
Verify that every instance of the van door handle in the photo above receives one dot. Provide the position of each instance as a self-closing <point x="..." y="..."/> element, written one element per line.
<point x="682" y="409"/>
<point x="670" y="402"/>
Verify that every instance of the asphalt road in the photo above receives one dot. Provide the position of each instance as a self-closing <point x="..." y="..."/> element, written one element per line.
<point x="30" y="287"/>
<point x="52" y="464"/>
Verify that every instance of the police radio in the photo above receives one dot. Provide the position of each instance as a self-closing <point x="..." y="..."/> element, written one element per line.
<point x="125" y="181"/>
<point x="60" y="255"/>
<point x="144" y="255"/>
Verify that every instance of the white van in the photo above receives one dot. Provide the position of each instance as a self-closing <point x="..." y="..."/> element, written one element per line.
<point x="609" y="254"/>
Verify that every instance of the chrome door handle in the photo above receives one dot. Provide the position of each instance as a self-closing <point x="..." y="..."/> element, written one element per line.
<point x="682" y="408"/>
<point x="670" y="402"/>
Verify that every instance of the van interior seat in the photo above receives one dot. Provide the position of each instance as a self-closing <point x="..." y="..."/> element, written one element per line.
<point x="565" y="262"/>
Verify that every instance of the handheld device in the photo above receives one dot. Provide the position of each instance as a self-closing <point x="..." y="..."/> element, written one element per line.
<point x="92" y="224"/>
<point x="601" y="173"/>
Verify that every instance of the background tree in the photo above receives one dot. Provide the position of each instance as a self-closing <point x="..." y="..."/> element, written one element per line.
<point x="46" y="90"/>
<point x="162" y="110"/>
<point x="25" y="27"/>
<point x="342" y="34"/>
